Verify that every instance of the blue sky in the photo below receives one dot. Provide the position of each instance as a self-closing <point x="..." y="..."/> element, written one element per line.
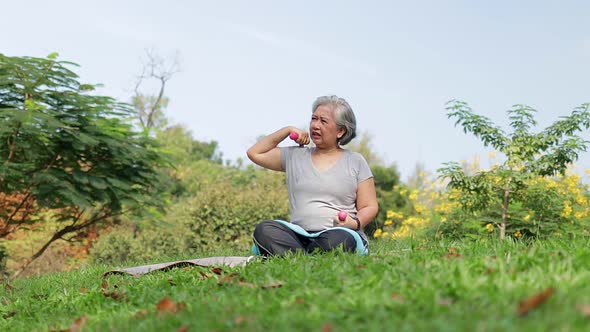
<point x="251" y="67"/>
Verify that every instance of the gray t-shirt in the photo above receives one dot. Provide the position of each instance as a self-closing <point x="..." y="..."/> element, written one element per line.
<point x="315" y="196"/>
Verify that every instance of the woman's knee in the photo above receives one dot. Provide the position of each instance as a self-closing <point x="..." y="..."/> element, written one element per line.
<point x="337" y="238"/>
<point x="264" y="228"/>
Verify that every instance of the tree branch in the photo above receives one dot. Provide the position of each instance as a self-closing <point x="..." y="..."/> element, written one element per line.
<point x="62" y="232"/>
<point x="154" y="68"/>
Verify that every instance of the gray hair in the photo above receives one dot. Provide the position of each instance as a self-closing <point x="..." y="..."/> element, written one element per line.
<point x="343" y="115"/>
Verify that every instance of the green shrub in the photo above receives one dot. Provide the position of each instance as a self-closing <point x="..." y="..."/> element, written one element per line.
<point x="114" y="247"/>
<point x="221" y="214"/>
<point x="225" y="214"/>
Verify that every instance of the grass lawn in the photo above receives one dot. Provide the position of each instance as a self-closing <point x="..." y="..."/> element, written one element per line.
<point x="404" y="285"/>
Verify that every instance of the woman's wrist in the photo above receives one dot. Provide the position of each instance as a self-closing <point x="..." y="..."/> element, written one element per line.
<point x="357" y="223"/>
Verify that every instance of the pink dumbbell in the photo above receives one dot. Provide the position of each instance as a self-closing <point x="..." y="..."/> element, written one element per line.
<point x="294" y="136"/>
<point x="342" y="215"/>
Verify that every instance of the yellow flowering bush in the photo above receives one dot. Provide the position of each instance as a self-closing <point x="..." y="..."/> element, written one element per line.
<point x="426" y="201"/>
<point x="520" y="182"/>
<point x="551" y="206"/>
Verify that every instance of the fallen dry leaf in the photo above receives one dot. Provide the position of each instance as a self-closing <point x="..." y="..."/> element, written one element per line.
<point x="584" y="309"/>
<point x="78" y="323"/>
<point x="533" y="302"/>
<point x="275" y="285"/>
<point x="246" y="284"/>
<point x="204" y="275"/>
<point x="299" y="300"/>
<point x="9" y="314"/>
<point x="171" y="282"/>
<point x="114" y="295"/>
<point x="239" y="320"/>
<point x="229" y="278"/>
<point x="453" y="253"/>
<point x="217" y="270"/>
<point x="327" y="327"/>
<point x="167" y="306"/>
<point x="83" y="290"/>
<point x="398" y="297"/>
<point x="141" y="313"/>
<point x="445" y="302"/>
<point x="182" y="329"/>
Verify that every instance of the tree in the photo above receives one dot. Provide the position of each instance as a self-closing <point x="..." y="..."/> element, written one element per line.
<point x="528" y="154"/>
<point x="149" y="107"/>
<point x="178" y="142"/>
<point x="66" y="150"/>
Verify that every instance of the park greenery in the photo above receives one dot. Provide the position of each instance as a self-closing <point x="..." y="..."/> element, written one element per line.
<point x="89" y="183"/>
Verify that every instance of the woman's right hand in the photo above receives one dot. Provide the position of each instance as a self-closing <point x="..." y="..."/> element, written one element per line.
<point x="302" y="137"/>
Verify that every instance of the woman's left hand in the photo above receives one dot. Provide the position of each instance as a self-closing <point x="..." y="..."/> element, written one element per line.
<point x="348" y="222"/>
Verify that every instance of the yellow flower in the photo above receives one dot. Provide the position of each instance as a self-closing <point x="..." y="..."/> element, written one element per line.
<point x="387" y="222"/>
<point x="567" y="211"/>
<point x="413" y="195"/>
<point x="377" y="233"/>
<point x="517" y="234"/>
<point x="581" y="200"/>
<point x="420" y="208"/>
<point x="579" y="215"/>
<point x="443" y="219"/>
<point x="394" y="215"/>
<point x="527" y="217"/>
<point x="490" y="228"/>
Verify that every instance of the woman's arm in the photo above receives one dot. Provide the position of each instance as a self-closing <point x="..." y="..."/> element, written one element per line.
<point x="366" y="202"/>
<point x="265" y="152"/>
<point x="366" y="205"/>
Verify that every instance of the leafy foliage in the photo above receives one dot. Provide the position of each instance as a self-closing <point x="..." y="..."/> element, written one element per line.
<point x="65" y="148"/>
<point x="528" y="155"/>
<point x="387" y="188"/>
<point x="178" y="143"/>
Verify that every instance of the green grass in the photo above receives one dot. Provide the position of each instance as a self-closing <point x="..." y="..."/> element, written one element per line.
<point x="402" y="286"/>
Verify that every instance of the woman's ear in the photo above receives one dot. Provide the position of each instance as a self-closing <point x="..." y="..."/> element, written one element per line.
<point x="341" y="132"/>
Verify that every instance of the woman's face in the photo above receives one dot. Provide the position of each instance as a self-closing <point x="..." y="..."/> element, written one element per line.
<point x="323" y="129"/>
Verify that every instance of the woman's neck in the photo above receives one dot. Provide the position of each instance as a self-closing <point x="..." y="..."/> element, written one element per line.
<point x="327" y="151"/>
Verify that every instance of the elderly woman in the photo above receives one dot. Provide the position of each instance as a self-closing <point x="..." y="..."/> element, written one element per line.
<point x="331" y="190"/>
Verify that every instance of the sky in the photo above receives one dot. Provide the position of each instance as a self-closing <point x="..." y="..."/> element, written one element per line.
<point x="248" y="68"/>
